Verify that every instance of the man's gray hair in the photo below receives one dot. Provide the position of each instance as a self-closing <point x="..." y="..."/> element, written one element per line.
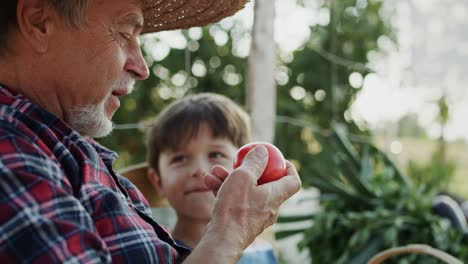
<point x="73" y="13"/>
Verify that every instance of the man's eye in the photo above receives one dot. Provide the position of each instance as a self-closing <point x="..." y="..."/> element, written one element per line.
<point x="126" y="36"/>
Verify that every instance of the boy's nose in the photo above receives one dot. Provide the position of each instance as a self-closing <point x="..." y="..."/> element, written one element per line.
<point x="200" y="168"/>
<point x="199" y="172"/>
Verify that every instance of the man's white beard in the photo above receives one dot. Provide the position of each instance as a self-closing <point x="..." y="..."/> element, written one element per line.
<point x="90" y="120"/>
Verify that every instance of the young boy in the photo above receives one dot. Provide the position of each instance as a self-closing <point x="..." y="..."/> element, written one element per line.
<point x="186" y="140"/>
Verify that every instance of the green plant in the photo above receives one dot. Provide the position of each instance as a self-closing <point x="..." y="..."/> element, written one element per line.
<point x="435" y="175"/>
<point x="374" y="207"/>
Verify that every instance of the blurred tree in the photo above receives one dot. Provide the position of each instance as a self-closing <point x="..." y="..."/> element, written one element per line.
<point x="313" y="83"/>
<point x="324" y="76"/>
<point x="408" y="126"/>
<point x="443" y="118"/>
<point x="439" y="170"/>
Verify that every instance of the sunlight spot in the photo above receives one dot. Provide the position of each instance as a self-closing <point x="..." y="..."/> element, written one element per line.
<point x="199" y="68"/>
<point x="297" y="93"/>
<point x="355" y="80"/>
<point x="320" y="95"/>
<point x="195" y="33"/>
<point x="396" y="147"/>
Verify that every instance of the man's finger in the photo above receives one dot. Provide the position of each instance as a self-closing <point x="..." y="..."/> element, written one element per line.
<point x="255" y="161"/>
<point x="220" y="172"/>
<point x="214" y="180"/>
<point x="287" y="185"/>
<point x="293" y="184"/>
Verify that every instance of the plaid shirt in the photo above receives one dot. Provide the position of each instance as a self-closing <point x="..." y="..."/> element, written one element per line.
<point x="60" y="200"/>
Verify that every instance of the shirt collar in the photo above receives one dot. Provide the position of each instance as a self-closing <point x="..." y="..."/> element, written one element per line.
<point x="106" y="154"/>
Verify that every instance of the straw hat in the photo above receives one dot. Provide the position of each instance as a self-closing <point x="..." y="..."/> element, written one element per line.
<point x="163" y="15"/>
<point x="137" y="175"/>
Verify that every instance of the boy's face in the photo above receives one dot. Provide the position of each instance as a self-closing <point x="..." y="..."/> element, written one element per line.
<point x="181" y="173"/>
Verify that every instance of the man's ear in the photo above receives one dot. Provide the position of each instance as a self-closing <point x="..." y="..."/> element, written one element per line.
<point x="156" y="182"/>
<point x="35" y="20"/>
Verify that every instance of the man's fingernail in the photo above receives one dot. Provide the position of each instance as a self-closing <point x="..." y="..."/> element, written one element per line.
<point x="260" y="151"/>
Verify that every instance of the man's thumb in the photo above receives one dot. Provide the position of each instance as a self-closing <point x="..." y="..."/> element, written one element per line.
<point x="256" y="161"/>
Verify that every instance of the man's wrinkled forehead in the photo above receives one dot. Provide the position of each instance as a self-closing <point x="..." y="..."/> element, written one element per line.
<point x="126" y="12"/>
<point x="133" y="19"/>
<point x="131" y="12"/>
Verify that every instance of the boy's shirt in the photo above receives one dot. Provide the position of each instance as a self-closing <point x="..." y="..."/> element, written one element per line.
<point x="61" y="200"/>
<point x="259" y="252"/>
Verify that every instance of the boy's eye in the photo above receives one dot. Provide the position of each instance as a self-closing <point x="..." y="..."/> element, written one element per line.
<point x="178" y="159"/>
<point x="216" y="155"/>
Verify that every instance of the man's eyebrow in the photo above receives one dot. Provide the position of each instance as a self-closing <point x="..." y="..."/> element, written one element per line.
<point x="133" y="19"/>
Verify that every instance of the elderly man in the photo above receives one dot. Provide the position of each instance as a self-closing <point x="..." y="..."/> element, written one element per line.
<point x="63" y="66"/>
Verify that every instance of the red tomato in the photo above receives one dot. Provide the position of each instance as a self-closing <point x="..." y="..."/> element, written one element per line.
<point x="276" y="166"/>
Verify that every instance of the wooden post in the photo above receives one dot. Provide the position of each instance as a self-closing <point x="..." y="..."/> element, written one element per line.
<point x="261" y="87"/>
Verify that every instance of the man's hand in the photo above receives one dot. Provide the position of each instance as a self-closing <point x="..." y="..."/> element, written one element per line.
<point x="243" y="209"/>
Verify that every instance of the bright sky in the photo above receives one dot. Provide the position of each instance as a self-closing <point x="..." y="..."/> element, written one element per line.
<point x="428" y="62"/>
<point x="432" y="54"/>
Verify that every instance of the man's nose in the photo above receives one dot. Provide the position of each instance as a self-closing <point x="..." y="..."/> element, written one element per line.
<point x="136" y="64"/>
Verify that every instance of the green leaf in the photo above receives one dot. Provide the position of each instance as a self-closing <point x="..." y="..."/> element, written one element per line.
<point x="353" y="176"/>
<point x="335" y="187"/>
<point x="367" y="164"/>
<point x="287" y="233"/>
<point x="295" y="218"/>
<point x="388" y="162"/>
<point x="345" y="146"/>
<point x="348" y="160"/>
<point x="369" y="250"/>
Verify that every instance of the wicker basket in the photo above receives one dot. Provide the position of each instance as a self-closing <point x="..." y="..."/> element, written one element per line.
<point x="414" y="248"/>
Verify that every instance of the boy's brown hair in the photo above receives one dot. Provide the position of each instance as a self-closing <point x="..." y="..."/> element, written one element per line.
<point x="178" y="123"/>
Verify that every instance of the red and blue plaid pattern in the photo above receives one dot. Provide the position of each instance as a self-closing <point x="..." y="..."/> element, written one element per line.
<point x="60" y="200"/>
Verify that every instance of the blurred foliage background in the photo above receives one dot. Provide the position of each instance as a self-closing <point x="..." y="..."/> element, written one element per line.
<point x="316" y="85"/>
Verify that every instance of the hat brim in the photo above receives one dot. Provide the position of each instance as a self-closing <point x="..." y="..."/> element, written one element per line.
<point x="137" y="174"/>
<point x="161" y="15"/>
